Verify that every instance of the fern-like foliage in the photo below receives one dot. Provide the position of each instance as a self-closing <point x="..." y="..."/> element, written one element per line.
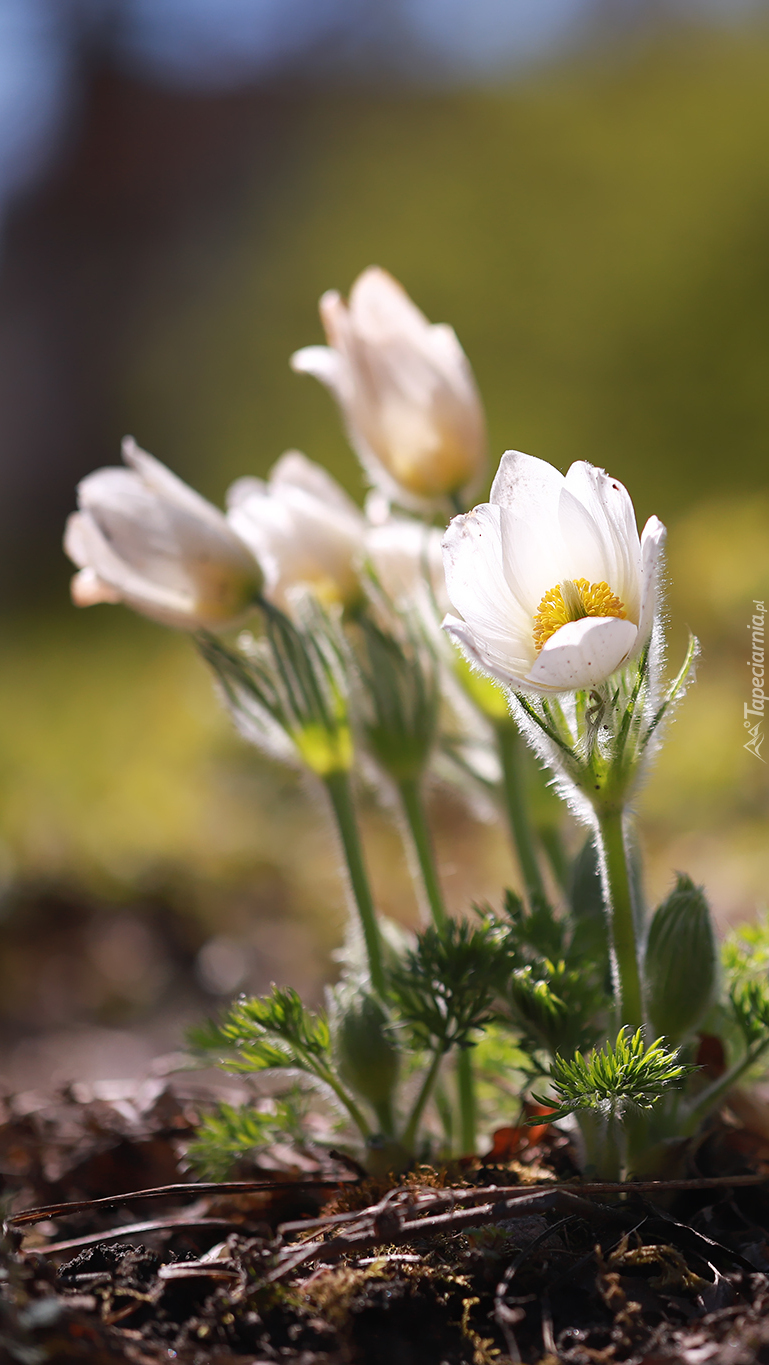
<point x="616" y="1078"/>
<point x="556" y="993"/>
<point x="233" y="1132"/>
<point x="227" y="1135"/>
<point x="267" y="1032"/>
<point x="446" y="986"/>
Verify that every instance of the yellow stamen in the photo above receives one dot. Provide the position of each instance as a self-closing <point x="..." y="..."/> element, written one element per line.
<point x="572" y="600"/>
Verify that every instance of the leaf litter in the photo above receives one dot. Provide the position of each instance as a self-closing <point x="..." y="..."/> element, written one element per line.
<point x="487" y="1263"/>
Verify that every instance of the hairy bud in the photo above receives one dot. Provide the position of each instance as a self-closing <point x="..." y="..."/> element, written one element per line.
<point x="680" y="964"/>
<point x="369" y="1060"/>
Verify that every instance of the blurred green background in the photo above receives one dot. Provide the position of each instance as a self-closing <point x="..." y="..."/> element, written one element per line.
<point x="598" y="235"/>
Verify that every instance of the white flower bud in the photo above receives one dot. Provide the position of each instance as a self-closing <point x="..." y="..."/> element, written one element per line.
<point x="405" y="389"/>
<point x="143" y="537"/>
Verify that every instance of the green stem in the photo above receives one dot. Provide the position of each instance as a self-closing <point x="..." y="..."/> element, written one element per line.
<point x="467" y="1105"/>
<point x="339" y="790"/>
<point x="707" y="1100"/>
<point x="509" y="744"/>
<point x="410" y="1131"/>
<point x="619" y="901"/>
<point x="355" y="1114"/>
<point x="413" y="807"/>
<point x="552" y="842"/>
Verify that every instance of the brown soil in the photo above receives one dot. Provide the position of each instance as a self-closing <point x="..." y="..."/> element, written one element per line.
<point x="307" y="1264"/>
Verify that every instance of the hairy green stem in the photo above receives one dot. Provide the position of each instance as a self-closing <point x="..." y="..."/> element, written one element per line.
<point x="618" y="896"/>
<point x="410" y="1131"/>
<point x="509" y="744"/>
<point x="349" y="1103"/>
<point x="413" y="808"/>
<point x="467" y="1104"/>
<point x="339" y="790"/>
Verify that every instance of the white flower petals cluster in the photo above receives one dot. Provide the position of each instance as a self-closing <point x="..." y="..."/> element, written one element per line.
<point x="143" y="537"/>
<point x="405" y="389"/>
<point x="542" y="531"/>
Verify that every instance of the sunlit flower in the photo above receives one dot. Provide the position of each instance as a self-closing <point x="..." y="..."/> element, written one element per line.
<point x="405" y="389"/>
<point x="555" y="587"/>
<point x="304" y="529"/>
<point x="143" y="537"/>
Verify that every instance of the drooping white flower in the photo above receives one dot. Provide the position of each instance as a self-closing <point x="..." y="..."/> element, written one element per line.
<point x="405" y="389"/>
<point x="556" y="589"/>
<point x="304" y="529"/>
<point x="143" y="537"/>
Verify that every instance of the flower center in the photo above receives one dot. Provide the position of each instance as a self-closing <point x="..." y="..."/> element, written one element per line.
<point x="572" y="600"/>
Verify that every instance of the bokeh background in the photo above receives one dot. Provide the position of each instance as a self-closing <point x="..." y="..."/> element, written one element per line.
<point x="581" y="187"/>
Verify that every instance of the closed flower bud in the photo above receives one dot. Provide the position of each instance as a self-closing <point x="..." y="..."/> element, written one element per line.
<point x="369" y="1060"/>
<point x="681" y="962"/>
<point x="143" y="537"/>
<point x="405" y="389"/>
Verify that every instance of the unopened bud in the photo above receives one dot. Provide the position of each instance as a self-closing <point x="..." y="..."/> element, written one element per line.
<point x="680" y="964"/>
<point x="369" y="1060"/>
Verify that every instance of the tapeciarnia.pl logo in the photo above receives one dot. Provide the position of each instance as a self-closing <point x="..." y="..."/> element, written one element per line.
<point x="755" y="707"/>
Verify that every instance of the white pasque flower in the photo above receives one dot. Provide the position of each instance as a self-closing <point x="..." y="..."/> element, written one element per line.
<point x="143" y="537"/>
<point x="405" y="388"/>
<point x="304" y="529"/>
<point x="556" y="589"/>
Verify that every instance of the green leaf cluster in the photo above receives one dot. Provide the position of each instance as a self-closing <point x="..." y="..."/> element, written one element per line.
<point x="232" y="1132"/>
<point x="556" y="992"/>
<point x="446" y="986"/>
<point x="614" y="1078"/>
<point x="266" y="1032"/>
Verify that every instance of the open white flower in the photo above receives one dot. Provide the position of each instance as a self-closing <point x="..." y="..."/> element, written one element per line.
<point x="405" y="389"/>
<point x="143" y="537"/>
<point x="304" y="529"/>
<point x="556" y="589"/>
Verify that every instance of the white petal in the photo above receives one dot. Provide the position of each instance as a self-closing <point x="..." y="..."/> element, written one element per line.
<point x="160" y="480"/>
<point x="479" y="589"/>
<point x="294" y="470"/>
<point x="528" y="486"/>
<point x="528" y="492"/>
<point x="380" y="307"/>
<point x="76" y="540"/>
<point x="406" y="555"/>
<point x="322" y="363"/>
<point x="88" y="590"/>
<point x="163" y="602"/>
<point x="242" y="489"/>
<point x="506" y="668"/>
<point x="301" y="539"/>
<point x="652" y="544"/>
<point x="611" y="513"/>
<point x="582" y="654"/>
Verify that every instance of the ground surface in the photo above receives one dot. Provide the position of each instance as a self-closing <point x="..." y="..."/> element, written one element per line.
<point x="505" y="1260"/>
